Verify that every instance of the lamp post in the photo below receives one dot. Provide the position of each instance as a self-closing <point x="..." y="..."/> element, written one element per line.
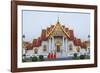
<point x="89" y="44"/>
<point x="89" y="37"/>
<point x="23" y="54"/>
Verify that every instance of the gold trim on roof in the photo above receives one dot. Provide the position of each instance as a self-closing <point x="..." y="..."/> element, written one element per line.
<point x="58" y="25"/>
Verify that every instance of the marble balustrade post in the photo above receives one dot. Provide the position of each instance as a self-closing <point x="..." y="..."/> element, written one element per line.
<point x="63" y="45"/>
<point x="49" y="45"/>
<point x="53" y="44"/>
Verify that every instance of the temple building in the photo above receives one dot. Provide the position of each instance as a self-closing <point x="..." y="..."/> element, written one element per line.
<point x="56" y="39"/>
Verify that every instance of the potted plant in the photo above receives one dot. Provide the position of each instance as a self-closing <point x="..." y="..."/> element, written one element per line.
<point x="82" y="56"/>
<point x="41" y="58"/>
<point x="75" y="56"/>
<point x="34" y="58"/>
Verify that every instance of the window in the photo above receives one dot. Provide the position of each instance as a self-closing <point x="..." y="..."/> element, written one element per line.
<point x="35" y="50"/>
<point x="44" y="48"/>
<point x="70" y="47"/>
<point x="58" y="48"/>
<point x="78" y="49"/>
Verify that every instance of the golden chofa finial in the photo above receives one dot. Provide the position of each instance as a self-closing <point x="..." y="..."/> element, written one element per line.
<point x="58" y="21"/>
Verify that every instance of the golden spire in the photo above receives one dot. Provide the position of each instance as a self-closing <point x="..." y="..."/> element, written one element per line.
<point x="58" y="21"/>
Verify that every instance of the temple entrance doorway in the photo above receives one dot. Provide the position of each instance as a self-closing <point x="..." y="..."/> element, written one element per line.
<point x="58" y="46"/>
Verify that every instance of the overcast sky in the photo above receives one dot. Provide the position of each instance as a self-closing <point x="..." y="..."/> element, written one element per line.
<point x="35" y="21"/>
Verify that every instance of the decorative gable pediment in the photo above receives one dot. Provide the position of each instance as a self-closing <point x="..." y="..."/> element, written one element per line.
<point x="57" y="31"/>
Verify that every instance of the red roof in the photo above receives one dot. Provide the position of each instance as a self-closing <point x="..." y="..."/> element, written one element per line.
<point x="43" y="35"/>
<point x="71" y="35"/>
<point x="77" y="42"/>
<point x="29" y="46"/>
<point x="83" y="45"/>
<point x="37" y="42"/>
<point x="52" y="26"/>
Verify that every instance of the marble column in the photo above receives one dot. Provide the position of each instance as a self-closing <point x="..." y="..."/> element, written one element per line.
<point x="50" y="45"/>
<point x="63" y="44"/>
<point x="66" y="45"/>
<point x="53" y="44"/>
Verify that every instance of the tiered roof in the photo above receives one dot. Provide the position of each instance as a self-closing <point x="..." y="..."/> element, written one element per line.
<point x="47" y="32"/>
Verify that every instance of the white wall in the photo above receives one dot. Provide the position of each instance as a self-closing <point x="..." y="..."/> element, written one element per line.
<point x="5" y="37"/>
